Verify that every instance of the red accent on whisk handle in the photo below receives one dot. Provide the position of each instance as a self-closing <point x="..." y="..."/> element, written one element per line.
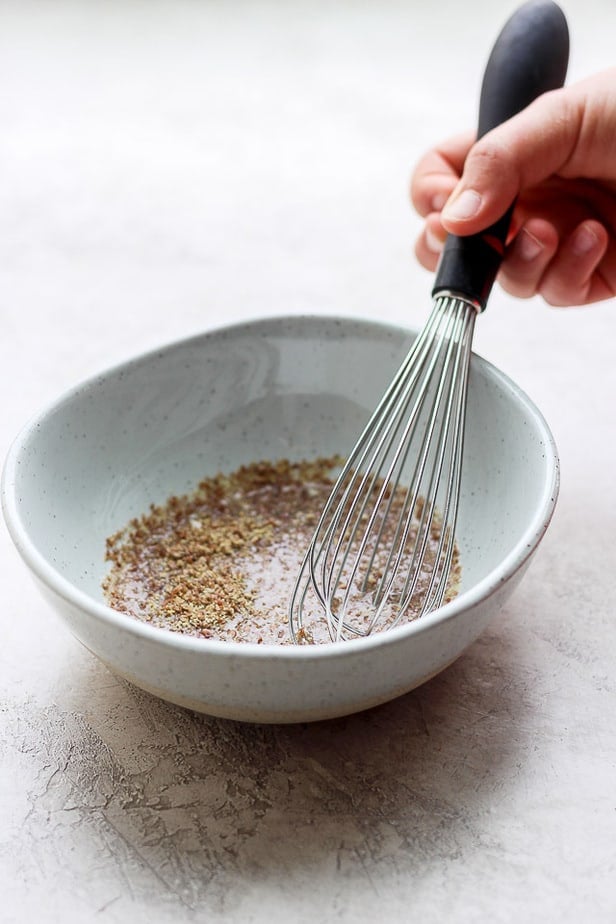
<point x="529" y="58"/>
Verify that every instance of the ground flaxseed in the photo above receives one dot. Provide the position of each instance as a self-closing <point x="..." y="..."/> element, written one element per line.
<point x="222" y="562"/>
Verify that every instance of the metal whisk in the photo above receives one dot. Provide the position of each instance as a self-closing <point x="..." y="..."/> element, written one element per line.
<point x="385" y="542"/>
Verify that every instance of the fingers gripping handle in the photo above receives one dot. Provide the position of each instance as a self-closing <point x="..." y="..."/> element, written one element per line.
<point x="529" y="58"/>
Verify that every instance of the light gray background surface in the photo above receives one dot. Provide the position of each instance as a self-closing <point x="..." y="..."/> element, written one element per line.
<point x="167" y="166"/>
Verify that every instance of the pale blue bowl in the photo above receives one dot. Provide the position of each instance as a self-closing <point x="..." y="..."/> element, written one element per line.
<point x="283" y="387"/>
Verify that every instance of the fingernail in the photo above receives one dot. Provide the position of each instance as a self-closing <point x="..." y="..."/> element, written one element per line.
<point x="465" y="205"/>
<point x="528" y="247"/>
<point x="432" y="242"/>
<point x="584" y="240"/>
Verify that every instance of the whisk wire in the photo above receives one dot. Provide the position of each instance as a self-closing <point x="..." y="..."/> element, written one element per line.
<point x="408" y="513"/>
<point x="449" y="415"/>
<point x="401" y="460"/>
<point x="450" y="514"/>
<point x="412" y="496"/>
<point x="369" y="533"/>
<point x="383" y="485"/>
<point x="400" y="391"/>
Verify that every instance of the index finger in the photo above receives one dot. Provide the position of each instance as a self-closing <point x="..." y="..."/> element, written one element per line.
<point x="437" y="173"/>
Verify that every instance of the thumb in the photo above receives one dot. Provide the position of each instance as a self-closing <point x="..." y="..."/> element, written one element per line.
<point x="522" y="152"/>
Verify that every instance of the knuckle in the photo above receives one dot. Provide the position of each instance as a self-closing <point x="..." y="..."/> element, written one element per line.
<point x="491" y="155"/>
<point x="492" y="166"/>
<point x="517" y="287"/>
<point x="518" y="283"/>
<point x="560" y="292"/>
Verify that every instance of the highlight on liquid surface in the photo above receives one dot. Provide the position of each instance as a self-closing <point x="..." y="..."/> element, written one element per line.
<point x="222" y="561"/>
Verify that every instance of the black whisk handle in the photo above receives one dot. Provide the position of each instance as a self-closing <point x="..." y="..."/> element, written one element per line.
<point x="530" y="57"/>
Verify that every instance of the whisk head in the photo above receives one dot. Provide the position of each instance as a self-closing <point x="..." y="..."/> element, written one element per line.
<point x="384" y="546"/>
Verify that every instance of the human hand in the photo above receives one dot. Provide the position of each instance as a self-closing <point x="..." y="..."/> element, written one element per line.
<point x="558" y="157"/>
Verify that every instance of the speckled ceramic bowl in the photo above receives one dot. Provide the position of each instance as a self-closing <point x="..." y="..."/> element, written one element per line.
<point x="284" y="387"/>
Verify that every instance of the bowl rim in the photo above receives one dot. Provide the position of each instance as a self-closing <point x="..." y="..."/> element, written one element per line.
<point x="74" y="596"/>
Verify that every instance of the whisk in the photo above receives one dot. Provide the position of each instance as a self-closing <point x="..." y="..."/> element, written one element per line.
<point x="385" y="544"/>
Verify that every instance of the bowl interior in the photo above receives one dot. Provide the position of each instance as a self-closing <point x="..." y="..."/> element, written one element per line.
<point x="294" y="388"/>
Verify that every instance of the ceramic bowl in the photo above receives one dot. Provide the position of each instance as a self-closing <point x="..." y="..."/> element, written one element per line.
<point x="286" y="387"/>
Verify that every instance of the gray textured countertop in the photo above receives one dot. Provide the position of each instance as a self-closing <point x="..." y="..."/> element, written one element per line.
<point x="165" y="166"/>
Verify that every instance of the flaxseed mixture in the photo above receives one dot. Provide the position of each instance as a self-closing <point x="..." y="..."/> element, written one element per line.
<point x="222" y="562"/>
